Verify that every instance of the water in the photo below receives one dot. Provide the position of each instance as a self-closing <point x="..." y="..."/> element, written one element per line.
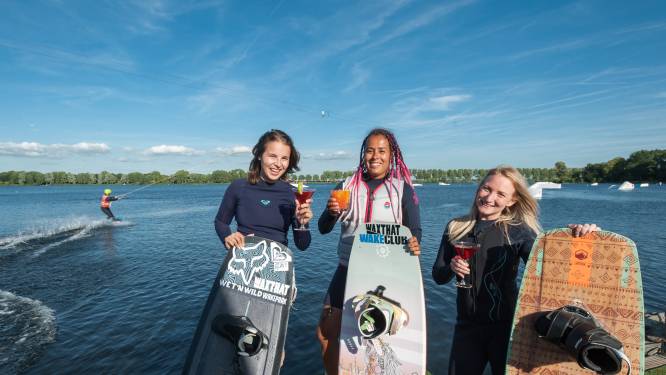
<point x="80" y="295"/>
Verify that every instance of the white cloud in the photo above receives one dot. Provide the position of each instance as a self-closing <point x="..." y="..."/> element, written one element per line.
<point x="230" y="96"/>
<point x="360" y="23"/>
<point x="559" y="47"/>
<point x="414" y="107"/>
<point x="34" y="149"/>
<point x="466" y="118"/>
<point x="171" y="150"/>
<point x="443" y="103"/>
<point x="235" y="150"/>
<point x="337" y="155"/>
<point x="423" y="19"/>
<point x="89" y="148"/>
<point x="359" y="77"/>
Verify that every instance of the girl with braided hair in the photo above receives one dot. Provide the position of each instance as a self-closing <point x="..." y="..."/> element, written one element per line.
<point x="381" y="191"/>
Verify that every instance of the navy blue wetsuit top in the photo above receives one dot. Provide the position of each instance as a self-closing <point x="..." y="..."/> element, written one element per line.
<point x="265" y="210"/>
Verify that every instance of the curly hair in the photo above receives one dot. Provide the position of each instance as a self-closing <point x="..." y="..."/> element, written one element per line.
<point x="397" y="168"/>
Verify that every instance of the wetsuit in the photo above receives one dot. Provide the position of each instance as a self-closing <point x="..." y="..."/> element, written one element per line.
<point x="485" y="311"/>
<point x="105" y="205"/>
<point x="410" y="218"/>
<point x="265" y="210"/>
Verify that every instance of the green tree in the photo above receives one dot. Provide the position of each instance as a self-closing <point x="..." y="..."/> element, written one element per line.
<point x="136" y="178"/>
<point x="561" y="172"/>
<point x="219" y="177"/>
<point x="181" y="177"/>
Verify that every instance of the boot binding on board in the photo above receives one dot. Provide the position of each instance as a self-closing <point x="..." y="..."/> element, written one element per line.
<point x="575" y="329"/>
<point x="379" y="315"/>
<point x="247" y="339"/>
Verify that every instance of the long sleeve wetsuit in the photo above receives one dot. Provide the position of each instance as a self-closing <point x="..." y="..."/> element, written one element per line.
<point x="411" y="218"/>
<point x="485" y="311"/>
<point x="106" y="205"/>
<point x="265" y="210"/>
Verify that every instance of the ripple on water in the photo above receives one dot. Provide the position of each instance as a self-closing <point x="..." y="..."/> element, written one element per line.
<point x="26" y="327"/>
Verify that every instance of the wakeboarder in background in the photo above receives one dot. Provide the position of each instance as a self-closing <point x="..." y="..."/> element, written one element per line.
<point x="105" y="204"/>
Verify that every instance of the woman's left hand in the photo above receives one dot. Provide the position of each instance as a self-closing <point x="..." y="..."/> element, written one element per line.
<point x="303" y="212"/>
<point x="414" y="247"/>
<point x="579" y="230"/>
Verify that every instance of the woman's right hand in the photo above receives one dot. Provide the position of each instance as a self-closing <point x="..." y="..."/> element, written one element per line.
<point x="235" y="239"/>
<point x="332" y="206"/>
<point x="459" y="266"/>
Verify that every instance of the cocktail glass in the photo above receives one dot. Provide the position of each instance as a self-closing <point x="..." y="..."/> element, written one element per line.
<point x="302" y="197"/>
<point x="465" y="250"/>
<point x="342" y="197"/>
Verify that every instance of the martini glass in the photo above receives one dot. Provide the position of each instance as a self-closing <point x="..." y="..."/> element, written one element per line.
<point x="465" y="250"/>
<point x="302" y="197"/>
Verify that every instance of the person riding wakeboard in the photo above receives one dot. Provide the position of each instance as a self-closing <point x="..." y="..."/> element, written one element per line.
<point x="105" y="204"/>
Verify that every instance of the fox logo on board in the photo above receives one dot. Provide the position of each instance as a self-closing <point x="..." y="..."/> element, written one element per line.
<point x="249" y="261"/>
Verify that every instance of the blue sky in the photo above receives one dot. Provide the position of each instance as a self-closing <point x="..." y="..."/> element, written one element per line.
<point x="167" y="85"/>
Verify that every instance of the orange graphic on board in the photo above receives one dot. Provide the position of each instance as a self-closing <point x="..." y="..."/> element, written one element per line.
<point x="580" y="262"/>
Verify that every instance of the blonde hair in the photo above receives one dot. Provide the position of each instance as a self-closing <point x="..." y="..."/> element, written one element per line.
<point x="525" y="210"/>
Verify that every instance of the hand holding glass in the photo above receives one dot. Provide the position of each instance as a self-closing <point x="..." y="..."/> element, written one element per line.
<point x="342" y="197"/>
<point x="302" y="198"/>
<point x="465" y="251"/>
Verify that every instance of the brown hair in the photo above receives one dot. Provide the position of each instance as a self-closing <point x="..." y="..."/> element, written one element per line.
<point x="273" y="135"/>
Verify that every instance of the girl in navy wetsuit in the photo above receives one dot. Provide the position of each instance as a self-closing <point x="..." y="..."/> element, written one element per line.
<point x="264" y="204"/>
<point x="383" y="177"/>
<point x="504" y="221"/>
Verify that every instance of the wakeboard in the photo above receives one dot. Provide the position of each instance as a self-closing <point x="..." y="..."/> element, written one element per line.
<point x="597" y="275"/>
<point x="383" y="318"/>
<point x="243" y="327"/>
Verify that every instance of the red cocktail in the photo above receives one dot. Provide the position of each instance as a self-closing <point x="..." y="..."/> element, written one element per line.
<point x="465" y="250"/>
<point x="302" y="196"/>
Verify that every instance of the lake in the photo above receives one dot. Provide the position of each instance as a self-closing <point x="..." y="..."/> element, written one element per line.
<point x="79" y="295"/>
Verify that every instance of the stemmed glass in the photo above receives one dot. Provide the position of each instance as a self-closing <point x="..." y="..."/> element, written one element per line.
<point x="302" y="195"/>
<point x="465" y="250"/>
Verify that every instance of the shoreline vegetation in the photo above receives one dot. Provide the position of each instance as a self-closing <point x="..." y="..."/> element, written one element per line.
<point x="641" y="166"/>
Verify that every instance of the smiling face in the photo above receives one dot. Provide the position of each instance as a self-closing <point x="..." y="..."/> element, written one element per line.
<point x="494" y="195"/>
<point x="377" y="156"/>
<point x="274" y="161"/>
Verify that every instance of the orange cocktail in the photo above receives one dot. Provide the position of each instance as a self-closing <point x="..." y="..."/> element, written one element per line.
<point x="342" y="196"/>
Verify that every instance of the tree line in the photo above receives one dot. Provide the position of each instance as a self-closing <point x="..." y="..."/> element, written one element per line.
<point x="641" y="166"/>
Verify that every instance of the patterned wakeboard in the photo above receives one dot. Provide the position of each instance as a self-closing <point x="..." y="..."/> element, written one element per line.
<point x="599" y="272"/>
<point x="380" y="257"/>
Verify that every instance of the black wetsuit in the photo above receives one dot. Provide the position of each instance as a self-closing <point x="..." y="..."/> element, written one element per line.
<point x="107" y="210"/>
<point x="485" y="311"/>
<point x="411" y="218"/>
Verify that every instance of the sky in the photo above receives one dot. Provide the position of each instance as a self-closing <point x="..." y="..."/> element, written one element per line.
<point x="148" y="85"/>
